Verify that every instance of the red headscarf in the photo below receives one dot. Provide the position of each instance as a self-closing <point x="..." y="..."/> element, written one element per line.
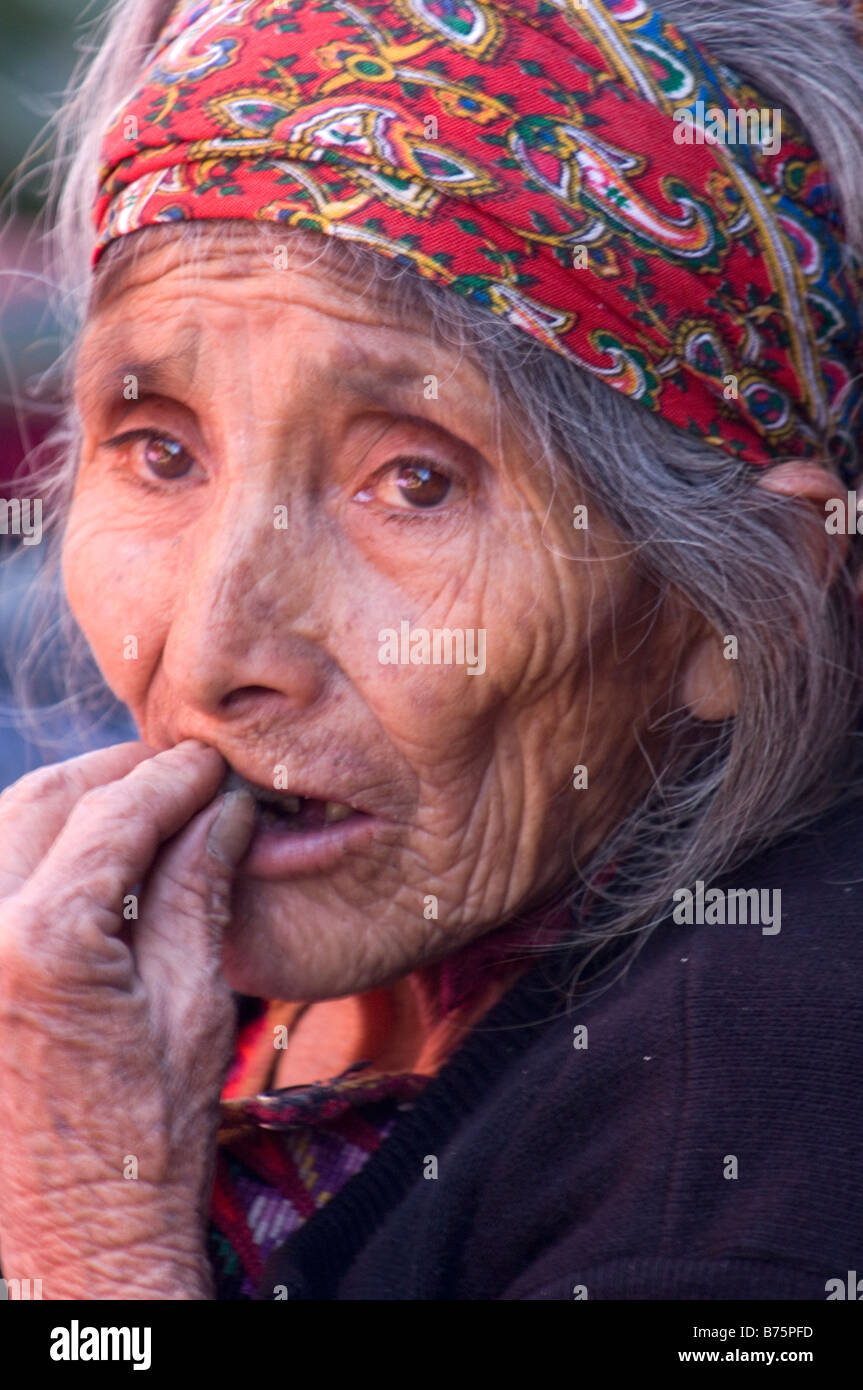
<point x="565" y="163"/>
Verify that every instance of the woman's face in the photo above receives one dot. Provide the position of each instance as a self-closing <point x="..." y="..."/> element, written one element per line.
<point x="276" y="471"/>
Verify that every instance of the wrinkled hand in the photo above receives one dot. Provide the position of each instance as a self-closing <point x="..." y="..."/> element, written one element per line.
<point x="115" y="1033"/>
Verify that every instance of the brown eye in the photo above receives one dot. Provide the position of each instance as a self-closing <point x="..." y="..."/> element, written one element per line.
<point x="422" y="486"/>
<point x="414" y="485"/>
<point x="165" y="457"/>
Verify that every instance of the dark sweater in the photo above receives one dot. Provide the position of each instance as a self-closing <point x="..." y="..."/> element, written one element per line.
<point x="600" y="1172"/>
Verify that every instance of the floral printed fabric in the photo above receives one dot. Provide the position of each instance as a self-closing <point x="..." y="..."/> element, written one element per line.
<point x="529" y="156"/>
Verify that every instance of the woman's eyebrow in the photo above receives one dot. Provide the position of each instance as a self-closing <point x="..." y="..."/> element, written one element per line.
<point x="370" y="376"/>
<point x="370" y="373"/>
<point x="105" y="366"/>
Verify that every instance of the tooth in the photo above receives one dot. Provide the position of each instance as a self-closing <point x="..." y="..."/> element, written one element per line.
<point x="290" y="803"/>
<point x="334" y="811"/>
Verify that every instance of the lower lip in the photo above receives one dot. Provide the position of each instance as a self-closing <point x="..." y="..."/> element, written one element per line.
<point x="280" y="854"/>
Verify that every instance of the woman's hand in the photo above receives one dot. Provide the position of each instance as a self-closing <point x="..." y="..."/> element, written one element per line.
<point x="115" y="1033"/>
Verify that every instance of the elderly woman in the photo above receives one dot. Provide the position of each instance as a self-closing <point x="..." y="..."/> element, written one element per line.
<point x="458" y="392"/>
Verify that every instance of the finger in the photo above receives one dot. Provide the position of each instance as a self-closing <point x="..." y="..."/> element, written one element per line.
<point x="110" y="840"/>
<point x="184" y="911"/>
<point x="34" y="809"/>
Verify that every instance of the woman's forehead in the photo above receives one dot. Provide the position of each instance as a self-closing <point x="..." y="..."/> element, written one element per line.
<point x="376" y="325"/>
<point x="116" y="354"/>
<point x="212" y="249"/>
<point x="315" y="363"/>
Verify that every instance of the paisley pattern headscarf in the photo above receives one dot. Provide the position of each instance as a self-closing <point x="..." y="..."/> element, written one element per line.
<point x="548" y="160"/>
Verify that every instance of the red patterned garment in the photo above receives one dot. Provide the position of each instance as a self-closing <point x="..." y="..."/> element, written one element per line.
<point x="283" y="1155"/>
<point x="285" y="1152"/>
<point x="553" y="160"/>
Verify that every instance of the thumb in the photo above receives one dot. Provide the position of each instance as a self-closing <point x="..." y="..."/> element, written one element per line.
<point x="229" y="834"/>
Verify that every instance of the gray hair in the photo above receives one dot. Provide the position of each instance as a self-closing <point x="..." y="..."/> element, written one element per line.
<point x="692" y="520"/>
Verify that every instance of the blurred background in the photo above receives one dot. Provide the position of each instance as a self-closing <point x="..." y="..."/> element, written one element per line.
<point x="40" y="44"/>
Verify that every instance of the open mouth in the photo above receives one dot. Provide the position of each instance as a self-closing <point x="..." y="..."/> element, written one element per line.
<point x="278" y="810"/>
<point x="296" y="836"/>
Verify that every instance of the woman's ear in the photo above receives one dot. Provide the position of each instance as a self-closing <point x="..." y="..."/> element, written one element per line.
<point x="708" y="686"/>
<point x="803" y="478"/>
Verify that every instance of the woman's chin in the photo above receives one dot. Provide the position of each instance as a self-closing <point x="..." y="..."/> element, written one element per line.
<point x="247" y="974"/>
<point x="289" y="943"/>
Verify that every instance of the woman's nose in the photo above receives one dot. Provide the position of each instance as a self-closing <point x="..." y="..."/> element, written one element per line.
<point x="247" y="611"/>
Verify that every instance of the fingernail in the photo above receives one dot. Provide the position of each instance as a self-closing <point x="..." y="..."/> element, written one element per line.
<point x="229" y="836"/>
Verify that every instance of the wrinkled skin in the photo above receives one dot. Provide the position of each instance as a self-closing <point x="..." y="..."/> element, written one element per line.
<point x="262" y="644"/>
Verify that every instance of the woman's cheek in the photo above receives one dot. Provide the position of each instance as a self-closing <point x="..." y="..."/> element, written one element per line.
<point x="115" y="583"/>
<point x="433" y="709"/>
<point x="442" y="668"/>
